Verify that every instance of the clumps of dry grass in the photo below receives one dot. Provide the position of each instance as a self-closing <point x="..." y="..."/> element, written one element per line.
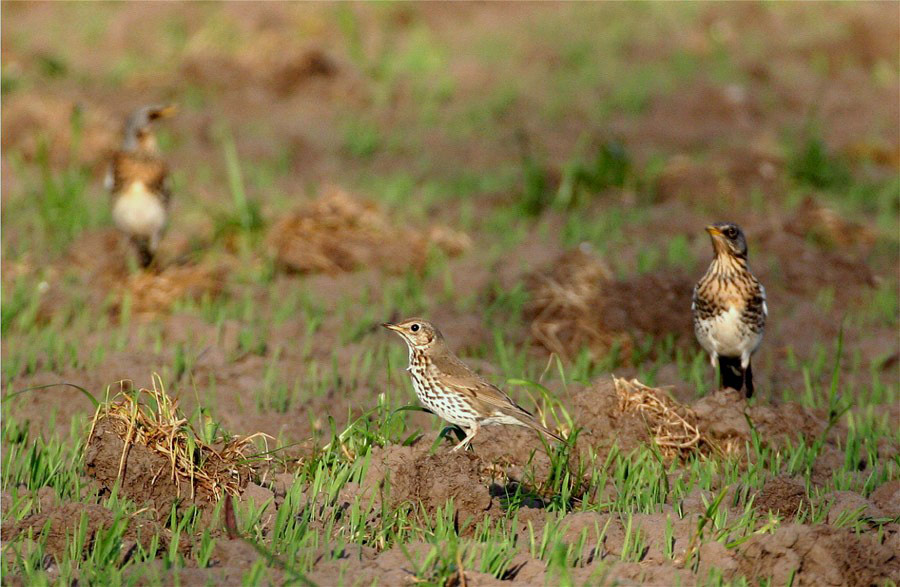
<point x="565" y="306"/>
<point x="150" y="418"/>
<point x="827" y="227"/>
<point x="338" y="233"/>
<point x="30" y="126"/>
<point x="152" y="293"/>
<point x="673" y="426"/>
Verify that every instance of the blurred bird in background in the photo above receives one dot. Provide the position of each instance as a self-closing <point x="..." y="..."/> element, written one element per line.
<point x="138" y="179"/>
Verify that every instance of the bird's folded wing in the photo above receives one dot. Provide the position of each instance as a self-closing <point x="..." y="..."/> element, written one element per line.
<point x="488" y="397"/>
<point x="456" y="375"/>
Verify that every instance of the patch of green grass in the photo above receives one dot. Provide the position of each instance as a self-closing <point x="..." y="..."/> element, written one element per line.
<point x="245" y="215"/>
<point x="813" y="164"/>
<point x="61" y="198"/>
<point x="362" y="138"/>
<point x="628" y="485"/>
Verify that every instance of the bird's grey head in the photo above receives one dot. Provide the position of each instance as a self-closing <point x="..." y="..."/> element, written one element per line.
<point x="137" y="128"/>
<point x="418" y="334"/>
<point x="728" y="239"/>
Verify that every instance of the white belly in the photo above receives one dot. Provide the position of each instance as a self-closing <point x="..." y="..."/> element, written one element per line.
<point x="727" y="336"/>
<point x="139" y="213"/>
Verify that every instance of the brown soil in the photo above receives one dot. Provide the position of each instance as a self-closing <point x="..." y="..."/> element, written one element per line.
<point x="887" y="498"/>
<point x="146" y="476"/>
<point x="30" y="126"/>
<point x="815" y="555"/>
<point x="410" y="475"/>
<point x="804" y="268"/>
<point x="819" y="555"/>
<point x="62" y="522"/>
<point x="723" y="415"/>
<point x="600" y="412"/>
<point x="724" y="181"/>
<point x="848" y="504"/>
<point x="97" y="264"/>
<point x="784" y="496"/>
<point x="363" y="566"/>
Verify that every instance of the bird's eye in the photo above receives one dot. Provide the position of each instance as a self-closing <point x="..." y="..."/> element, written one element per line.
<point x="730" y="232"/>
<point x="414" y="327"/>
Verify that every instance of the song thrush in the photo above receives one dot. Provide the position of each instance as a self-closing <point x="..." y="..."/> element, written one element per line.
<point x="451" y="390"/>
<point x="729" y="308"/>
<point x="138" y="181"/>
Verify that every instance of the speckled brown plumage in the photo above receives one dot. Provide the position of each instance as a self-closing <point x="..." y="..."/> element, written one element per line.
<point x="454" y="392"/>
<point x="729" y="308"/>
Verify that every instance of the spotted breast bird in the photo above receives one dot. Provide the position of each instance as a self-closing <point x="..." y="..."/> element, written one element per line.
<point x="138" y="179"/>
<point x="454" y="392"/>
<point x="729" y="308"/>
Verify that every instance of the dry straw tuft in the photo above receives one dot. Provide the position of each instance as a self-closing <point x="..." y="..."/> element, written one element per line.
<point x="155" y="293"/>
<point x="338" y="233"/>
<point x="672" y="425"/>
<point x="151" y="418"/>
<point x="566" y="306"/>
<point x="828" y="227"/>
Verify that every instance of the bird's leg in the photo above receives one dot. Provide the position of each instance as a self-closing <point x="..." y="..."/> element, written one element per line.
<point x="748" y="380"/>
<point x="154" y="242"/>
<point x="717" y="372"/>
<point x="465" y="441"/>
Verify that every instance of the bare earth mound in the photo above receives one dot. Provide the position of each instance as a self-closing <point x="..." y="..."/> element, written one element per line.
<point x="819" y="555"/>
<point x="63" y="521"/>
<point x="409" y="475"/>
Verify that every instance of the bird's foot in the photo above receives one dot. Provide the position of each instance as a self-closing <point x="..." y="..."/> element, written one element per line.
<point x="466" y="444"/>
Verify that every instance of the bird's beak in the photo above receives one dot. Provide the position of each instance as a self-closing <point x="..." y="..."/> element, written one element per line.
<point x="713" y="230"/>
<point x="166" y="111"/>
<point x="391" y="326"/>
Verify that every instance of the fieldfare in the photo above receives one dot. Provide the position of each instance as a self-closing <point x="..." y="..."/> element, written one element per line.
<point x="454" y="392"/>
<point x="729" y="308"/>
<point x="138" y="179"/>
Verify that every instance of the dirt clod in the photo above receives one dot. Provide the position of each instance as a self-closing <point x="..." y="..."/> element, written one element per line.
<point x="887" y="498"/>
<point x="157" y="457"/>
<point x="412" y="476"/>
<point x="672" y="426"/>
<point x="848" y="505"/>
<point x="818" y="555"/>
<point x="782" y="495"/>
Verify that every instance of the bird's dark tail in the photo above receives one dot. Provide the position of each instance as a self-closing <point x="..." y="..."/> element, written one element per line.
<point x="732" y="375"/>
<point x="547" y="432"/>
<point x="528" y="420"/>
